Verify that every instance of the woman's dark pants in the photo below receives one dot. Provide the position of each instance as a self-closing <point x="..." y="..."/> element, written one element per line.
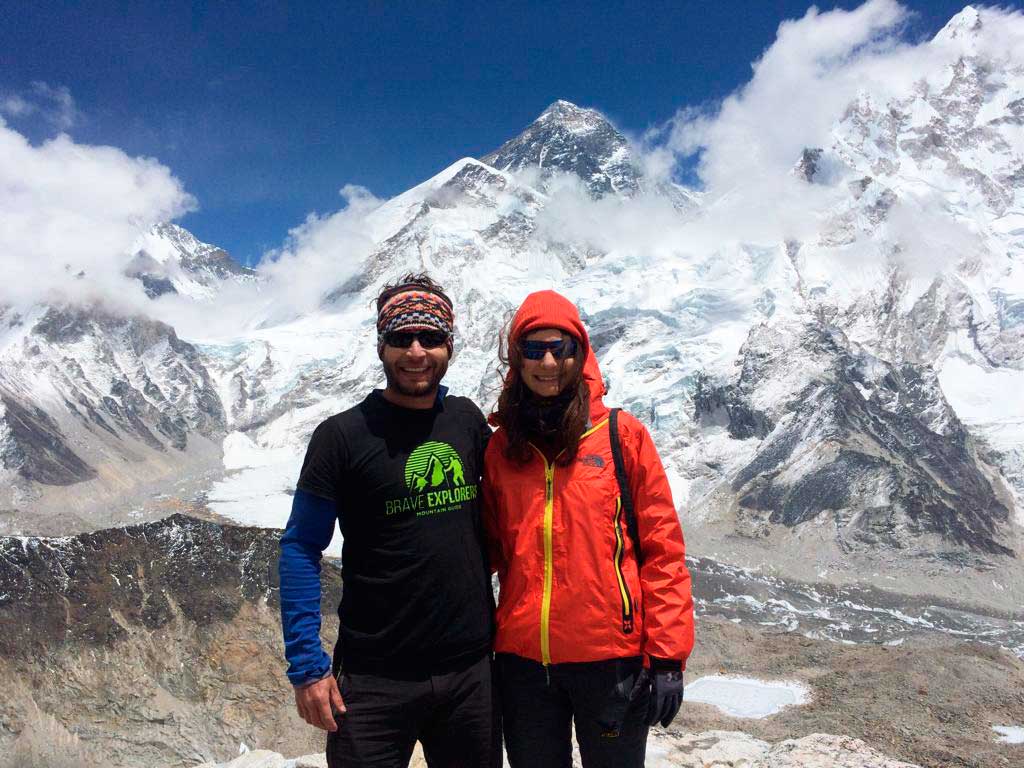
<point x="539" y="705"/>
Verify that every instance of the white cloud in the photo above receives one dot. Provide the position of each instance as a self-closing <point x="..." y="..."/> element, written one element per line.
<point x="799" y="88"/>
<point x="68" y="216"/>
<point x="323" y="251"/>
<point x="14" y="105"/>
<point x="318" y="256"/>
<point x="53" y="103"/>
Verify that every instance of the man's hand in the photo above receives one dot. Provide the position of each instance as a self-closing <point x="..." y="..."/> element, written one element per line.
<point x="317" y="702"/>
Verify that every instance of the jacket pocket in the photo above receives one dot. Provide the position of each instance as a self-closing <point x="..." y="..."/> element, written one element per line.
<point x="619" y="552"/>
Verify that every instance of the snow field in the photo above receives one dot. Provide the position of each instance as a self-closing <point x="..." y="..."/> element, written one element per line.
<point x="257" y="489"/>
<point x="1010" y="734"/>
<point x="746" y="697"/>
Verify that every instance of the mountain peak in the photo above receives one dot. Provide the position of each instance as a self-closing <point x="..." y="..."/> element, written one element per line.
<point x="574" y="116"/>
<point x="962" y="27"/>
<point x="562" y="104"/>
<point x="170" y="259"/>
<point x="572" y="139"/>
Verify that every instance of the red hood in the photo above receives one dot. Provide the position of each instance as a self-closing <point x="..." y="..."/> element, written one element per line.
<point x="592" y="375"/>
<point x="548" y="309"/>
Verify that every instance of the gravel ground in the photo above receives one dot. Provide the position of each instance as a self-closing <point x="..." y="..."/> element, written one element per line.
<point x="931" y="700"/>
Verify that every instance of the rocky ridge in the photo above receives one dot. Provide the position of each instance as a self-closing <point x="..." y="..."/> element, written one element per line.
<point x="159" y="644"/>
<point x="569" y="139"/>
<point x="153" y="645"/>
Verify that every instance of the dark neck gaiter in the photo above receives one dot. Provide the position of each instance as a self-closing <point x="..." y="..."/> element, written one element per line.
<point x="542" y="416"/>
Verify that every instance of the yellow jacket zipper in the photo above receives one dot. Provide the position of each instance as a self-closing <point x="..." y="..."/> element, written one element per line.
<point x="549" y="515"/>
<point x="545" y="605"/>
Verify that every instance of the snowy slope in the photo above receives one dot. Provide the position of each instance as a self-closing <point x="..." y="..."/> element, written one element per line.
<point x="97" y="407"/>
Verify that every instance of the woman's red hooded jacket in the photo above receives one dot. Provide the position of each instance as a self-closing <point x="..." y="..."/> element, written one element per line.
<point x="570" y="587"/>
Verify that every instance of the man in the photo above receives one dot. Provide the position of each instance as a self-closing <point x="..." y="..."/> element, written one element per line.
<point x="400" y="473"/>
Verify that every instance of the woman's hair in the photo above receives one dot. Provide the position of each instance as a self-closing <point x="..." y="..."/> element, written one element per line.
<point x="512" y="416"/>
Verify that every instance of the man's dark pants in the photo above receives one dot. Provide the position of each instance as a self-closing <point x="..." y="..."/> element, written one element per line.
<point x="454" y="715"/>
<point x="538" y="707"/>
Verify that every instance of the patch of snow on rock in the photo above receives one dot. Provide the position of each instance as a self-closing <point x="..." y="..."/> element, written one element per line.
<point x="724" y="748"/>
<point x="1010" y="734"/>
<point x="747" y="697"/>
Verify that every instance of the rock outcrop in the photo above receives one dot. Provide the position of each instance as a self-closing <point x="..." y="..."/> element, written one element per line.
<point x="735" y="749"/>
<point x="712" y="749"/>
<point x="152" y="645"/>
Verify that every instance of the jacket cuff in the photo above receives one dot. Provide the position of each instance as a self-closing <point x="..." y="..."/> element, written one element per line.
<point x="666" y="665"/>
<point x="310" y="681"/>
<point x="314" y="674"/>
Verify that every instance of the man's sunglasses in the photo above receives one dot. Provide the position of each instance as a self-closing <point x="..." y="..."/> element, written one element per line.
<point x="427" y="339"/>
<point x="535" y="350"/>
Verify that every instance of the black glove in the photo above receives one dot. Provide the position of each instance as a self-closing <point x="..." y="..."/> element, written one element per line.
<point x="663" y="684"/>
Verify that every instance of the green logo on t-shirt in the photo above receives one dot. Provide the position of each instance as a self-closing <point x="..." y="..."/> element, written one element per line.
<point x="433" y="465"/>
<point x="435" y="477"/>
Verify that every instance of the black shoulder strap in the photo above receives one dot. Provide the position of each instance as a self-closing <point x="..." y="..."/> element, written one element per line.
<point x="623" y="478"/>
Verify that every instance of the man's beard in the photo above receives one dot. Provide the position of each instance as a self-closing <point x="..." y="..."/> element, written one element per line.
<point x="418" y="389"/>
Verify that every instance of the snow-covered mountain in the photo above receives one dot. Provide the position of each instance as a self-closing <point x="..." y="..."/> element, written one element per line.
<point x="100" y="410"/>
<point x="933" y="319"/>
<point x="169" y="259"/>
<point x="794" y="396"/>
<point x="568" y="139"/>
<point x="848" y="394"/>
<point x="96" y="407"/>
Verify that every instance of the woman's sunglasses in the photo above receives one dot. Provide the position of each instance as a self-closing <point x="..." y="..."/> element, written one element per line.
<point x="427" y="339"/>
<point x="535" y="350"/>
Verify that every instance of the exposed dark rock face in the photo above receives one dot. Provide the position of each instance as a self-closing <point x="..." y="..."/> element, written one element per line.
<point x="572" y="140"/>
<point x="68" y="590"/>
<point x="874" y="445"/>
<point x="37" y="448"/>
<point x="807" y="166"/>
<point x="156" y="286"/>
<point x="217" y="261"/>
<point x="711" y="401"/>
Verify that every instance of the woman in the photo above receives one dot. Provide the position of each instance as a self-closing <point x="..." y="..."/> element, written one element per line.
<point x="583" y="633"/>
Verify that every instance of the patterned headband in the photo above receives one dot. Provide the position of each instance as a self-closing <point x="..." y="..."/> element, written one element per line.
<point x="412" y="310"/>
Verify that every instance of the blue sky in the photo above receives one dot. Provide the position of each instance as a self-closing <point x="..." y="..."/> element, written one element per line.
<point x="264" y="110"/>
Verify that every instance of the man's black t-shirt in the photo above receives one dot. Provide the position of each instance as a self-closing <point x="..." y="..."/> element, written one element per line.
<point x="405" y="484"/>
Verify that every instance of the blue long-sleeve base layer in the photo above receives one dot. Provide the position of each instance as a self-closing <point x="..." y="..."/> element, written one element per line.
<point x="308" y="533"/>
